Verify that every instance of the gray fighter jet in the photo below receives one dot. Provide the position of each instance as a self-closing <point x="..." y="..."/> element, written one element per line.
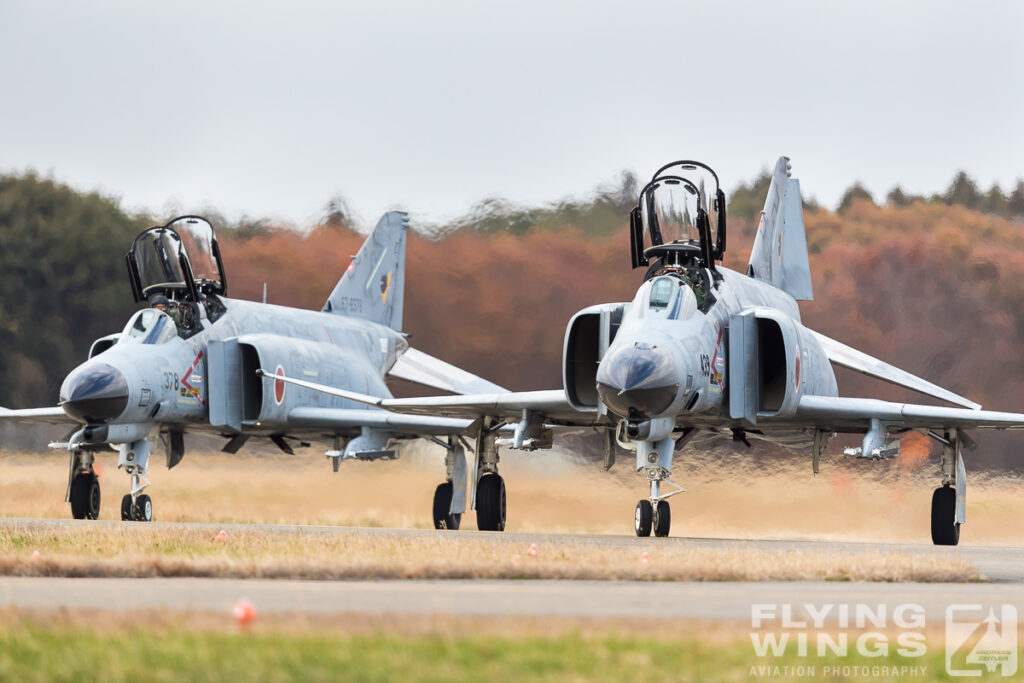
<point x="703" y="353"/>
<point x="188" y="363"/>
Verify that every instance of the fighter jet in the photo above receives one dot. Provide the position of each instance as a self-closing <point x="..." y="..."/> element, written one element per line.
<point x="703" y="354"/>
<point x="188" y="361"/>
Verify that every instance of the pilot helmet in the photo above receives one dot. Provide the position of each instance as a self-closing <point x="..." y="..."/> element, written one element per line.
<point x="158" y="300"/>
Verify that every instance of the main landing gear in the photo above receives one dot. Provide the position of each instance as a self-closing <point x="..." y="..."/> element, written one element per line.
<point x="488" y="493"/>
<point x="949" y="501"/>
<point x="945" y="528"/>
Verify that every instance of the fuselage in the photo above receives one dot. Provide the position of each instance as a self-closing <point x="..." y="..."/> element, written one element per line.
<point x="670" y="358"/>
<point x="152" y="375"/>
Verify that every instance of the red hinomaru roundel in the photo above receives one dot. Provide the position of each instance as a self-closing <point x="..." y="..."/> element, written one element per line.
<point x="279" y="386"/>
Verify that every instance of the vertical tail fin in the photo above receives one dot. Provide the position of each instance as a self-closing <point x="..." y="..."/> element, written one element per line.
<point x="779" y="255"/>
<point x="373" y="286"/>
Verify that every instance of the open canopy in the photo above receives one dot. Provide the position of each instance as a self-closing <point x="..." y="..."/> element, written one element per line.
<point x="180" y="260"/>
<point x="680" y="214"/>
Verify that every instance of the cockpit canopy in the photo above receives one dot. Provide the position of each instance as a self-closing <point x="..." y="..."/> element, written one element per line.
<point x="665" y="297"/>
<point x="148" y="326"/>
<point x="180" y="260"/>
<point x="681" y="212"/>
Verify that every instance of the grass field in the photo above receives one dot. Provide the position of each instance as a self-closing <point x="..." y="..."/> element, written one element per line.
<point x="547" y="492"/>
<point x="137" y="550"/>
<point x="728" y="495"/>
<point x="196" y="648"/>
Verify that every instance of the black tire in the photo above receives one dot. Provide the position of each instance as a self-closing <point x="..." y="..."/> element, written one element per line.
<point x="442" y="504"/>
<point x="85" y="496"/>
<point x="126" y="508"/>
<point x="945" y="529"/>
<point x="490" y="503"/>
<point x="643" y="518"/>
<point x="143" y="509"/>
<point x="663" y="520"/>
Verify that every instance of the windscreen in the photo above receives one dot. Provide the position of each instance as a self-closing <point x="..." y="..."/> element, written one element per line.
<point x="669" y="211"/>
<point x="156" y="257"/>
<point x="149" y="326"/>
<point x="197" y="239"/>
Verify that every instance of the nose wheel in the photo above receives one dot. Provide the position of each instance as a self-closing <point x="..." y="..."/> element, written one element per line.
<point x="140" y="511"/>
<point x="650" y="517"/>
<point x="644" y="518"/>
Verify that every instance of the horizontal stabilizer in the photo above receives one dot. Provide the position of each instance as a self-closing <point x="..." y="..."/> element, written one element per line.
<point x="852" y="359"/>
<point x="421" y="368"/>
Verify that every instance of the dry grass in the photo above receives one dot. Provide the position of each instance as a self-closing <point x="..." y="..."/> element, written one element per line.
<point x="729" y="495"/>
<point x="133" y="550"/>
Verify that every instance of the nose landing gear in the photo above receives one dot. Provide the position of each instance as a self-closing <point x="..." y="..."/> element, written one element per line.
<point x="654" y="514"/>
<point x="134" y="460"/>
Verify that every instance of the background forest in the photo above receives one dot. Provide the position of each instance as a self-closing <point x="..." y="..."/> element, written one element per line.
<point x="934" y="285"/>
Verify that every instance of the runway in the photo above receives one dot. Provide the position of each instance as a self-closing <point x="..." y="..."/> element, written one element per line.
<point x="592" y="599"/>
<point x="1002" y="567"/>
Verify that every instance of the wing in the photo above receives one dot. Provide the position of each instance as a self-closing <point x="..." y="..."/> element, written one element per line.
<point x="848" y="357"/>
<point x="422" y="368"/>
<point x="54" y="415"/>
<point x="839" y="414"/>
<point x="330" y="419"/>
<point x="552" y="404"/>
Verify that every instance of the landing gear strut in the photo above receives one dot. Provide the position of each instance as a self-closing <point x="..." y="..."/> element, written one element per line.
<point x="655" y="459"/>
<point x="489" y="492"/>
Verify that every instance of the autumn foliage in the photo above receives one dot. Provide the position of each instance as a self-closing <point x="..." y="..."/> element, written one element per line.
<point x="934" y="288"/>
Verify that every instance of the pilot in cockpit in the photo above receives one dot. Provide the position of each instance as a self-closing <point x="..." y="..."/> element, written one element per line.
<point x="159" y="302"/>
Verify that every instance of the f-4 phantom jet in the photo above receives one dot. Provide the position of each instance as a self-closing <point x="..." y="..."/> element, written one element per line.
<point x="703" y="353"/>
<point x="188" y="362"/>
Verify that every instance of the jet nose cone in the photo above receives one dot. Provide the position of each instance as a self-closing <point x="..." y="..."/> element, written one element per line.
<point x="640" y="379"/>
<point x="95" y="393"/>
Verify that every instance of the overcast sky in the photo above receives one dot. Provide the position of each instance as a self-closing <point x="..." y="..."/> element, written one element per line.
<point x="271" y="108"/>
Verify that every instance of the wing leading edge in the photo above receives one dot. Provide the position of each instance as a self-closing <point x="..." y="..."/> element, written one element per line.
<point x="54" y="415"/>
<point x="850" y="358"/>
<point x="835" y="413"/>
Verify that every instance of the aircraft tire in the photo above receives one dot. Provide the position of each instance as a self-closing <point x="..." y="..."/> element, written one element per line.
<point x="643" y="518"/>
<point x="126" y="508"/>
<point x="663" y="519"/>
<point x="85" y="496"/>
<point x="143" y="509"/>
<point x="945" y="529"/>
<point x="443" y="519"/>
<point x="490" y="503"/>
